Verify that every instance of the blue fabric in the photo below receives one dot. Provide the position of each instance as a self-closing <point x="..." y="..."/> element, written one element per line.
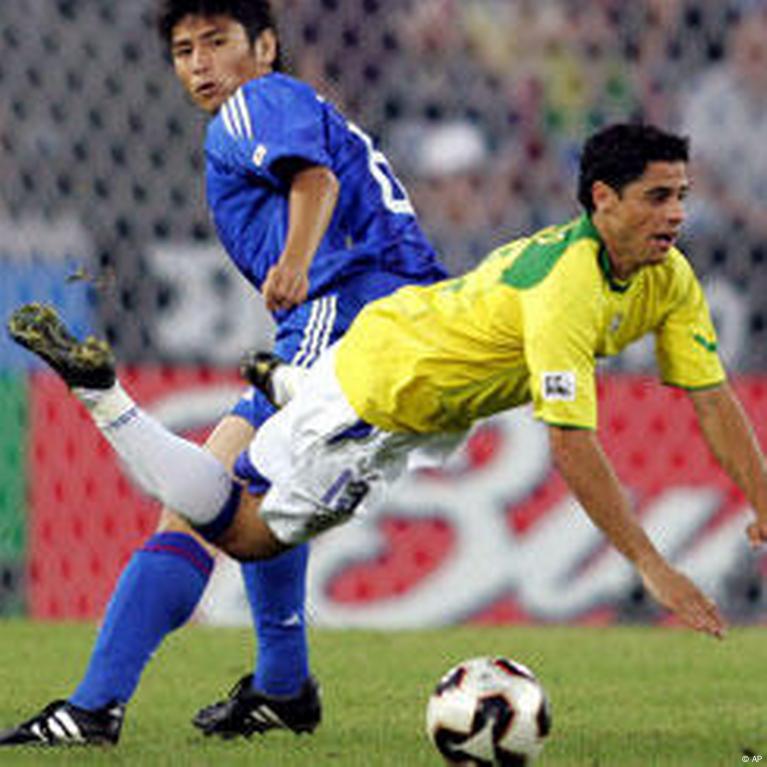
<point x="213" y="529"/>
<point x="157" y="592"/>
<point x="277" y="590"/>
<point x="360" y="430"/>
<point x="254" y="407"/>
<point x="274" y="125"/>
<point x="244" y="469"/>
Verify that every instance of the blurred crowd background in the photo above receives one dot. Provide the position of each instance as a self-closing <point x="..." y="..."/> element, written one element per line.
<point x="481" y="106"/>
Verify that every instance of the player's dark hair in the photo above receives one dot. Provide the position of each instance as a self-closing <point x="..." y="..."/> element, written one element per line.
<point x="619" y="154"/>
<point x="254" y="15"/>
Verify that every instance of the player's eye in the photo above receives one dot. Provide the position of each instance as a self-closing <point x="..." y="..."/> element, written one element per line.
<point x="657" y="196"/>
<point x="182" y="51"/>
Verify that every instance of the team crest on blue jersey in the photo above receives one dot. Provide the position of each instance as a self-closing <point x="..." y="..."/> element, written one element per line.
<point x="259" y="155"/>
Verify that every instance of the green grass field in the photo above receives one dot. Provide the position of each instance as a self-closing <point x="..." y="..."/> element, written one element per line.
<point x="620" y="696"/>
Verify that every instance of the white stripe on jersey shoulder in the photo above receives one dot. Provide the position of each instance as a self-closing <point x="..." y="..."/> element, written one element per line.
<point x="236" y="117"/>
<point x="231" y="110"/>
<point x="242" y="105"/>
<point x="227" y="120"/>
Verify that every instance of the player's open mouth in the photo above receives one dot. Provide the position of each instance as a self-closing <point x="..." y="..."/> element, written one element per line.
<point x="664" y="240"/>
<point x="206" y="90"/>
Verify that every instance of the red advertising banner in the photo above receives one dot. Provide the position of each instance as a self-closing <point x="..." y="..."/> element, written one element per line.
<point x="493" y="537"/>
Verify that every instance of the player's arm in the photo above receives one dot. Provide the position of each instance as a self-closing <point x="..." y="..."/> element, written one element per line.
<point x="312" y="200"/>
<point x="584" y="466"/>
<point x="731" y="439"/>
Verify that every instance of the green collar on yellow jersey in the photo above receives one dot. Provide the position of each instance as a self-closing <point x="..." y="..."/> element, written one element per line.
<point x="619" y="286"/>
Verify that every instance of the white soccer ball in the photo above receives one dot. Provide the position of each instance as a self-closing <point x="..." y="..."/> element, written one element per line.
<point x="489" y="711"/>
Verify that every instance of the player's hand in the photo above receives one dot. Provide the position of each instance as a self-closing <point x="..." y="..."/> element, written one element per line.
<point x="757" y="533"/>
<point x="676" y="592"/>
<point x="285" y="286"/>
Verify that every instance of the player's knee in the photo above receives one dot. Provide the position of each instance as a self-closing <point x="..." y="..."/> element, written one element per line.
<point x="170" y="522"/>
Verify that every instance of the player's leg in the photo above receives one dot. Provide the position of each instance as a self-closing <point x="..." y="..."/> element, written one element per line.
<point x="157" y="593"/>
<point x="179" y="473"/>
<point x="169" y="468"/>
<point x="81" y="720"/>
<point x="280" y="693"/>
<point x="276" y="589"/>
<point x="158" y="589"/>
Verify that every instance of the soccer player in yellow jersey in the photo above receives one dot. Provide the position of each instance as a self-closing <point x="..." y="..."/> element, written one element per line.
<point x="418" y="368"/>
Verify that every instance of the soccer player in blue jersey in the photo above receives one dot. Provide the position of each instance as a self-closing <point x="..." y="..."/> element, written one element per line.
<point x="313" y="217"/>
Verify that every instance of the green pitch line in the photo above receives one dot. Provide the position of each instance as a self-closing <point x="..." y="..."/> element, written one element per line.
<point x="627" y="696"/>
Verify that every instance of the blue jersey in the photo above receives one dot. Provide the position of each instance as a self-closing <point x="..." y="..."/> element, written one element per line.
<point x="269" y="128"/>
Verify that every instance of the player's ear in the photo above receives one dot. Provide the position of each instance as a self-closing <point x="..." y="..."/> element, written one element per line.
<point x="265" y="49"/>
<point x="603" y="196"/>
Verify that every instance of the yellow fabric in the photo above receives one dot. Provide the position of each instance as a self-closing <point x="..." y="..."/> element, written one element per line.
<point x="527" y="323"/>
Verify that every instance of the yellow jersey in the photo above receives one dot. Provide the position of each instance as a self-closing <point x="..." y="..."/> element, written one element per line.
<point x="527" y="324"/>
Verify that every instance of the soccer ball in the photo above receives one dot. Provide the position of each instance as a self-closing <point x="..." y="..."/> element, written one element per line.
<point x="489" y="711"/>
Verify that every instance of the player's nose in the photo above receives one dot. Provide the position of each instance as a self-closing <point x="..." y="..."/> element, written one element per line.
<point x="201" y="59"/>
<point x="676" y="211"/>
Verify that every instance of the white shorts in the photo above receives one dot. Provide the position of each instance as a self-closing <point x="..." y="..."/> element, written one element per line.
<point x="323" y="461"/>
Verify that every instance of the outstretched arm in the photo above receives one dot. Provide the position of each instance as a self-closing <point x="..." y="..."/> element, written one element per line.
<point x="313" y="196"/>
<point x="731" y="439"/>
<point x="584" y="466"/>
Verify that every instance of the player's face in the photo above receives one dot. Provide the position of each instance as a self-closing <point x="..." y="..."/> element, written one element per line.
<point x="213" y="57"/>
<point x="641" y="223"/>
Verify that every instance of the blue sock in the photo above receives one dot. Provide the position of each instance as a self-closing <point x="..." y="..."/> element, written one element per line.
<point x="276" y="590"/>
<point x="157" y="592"/>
